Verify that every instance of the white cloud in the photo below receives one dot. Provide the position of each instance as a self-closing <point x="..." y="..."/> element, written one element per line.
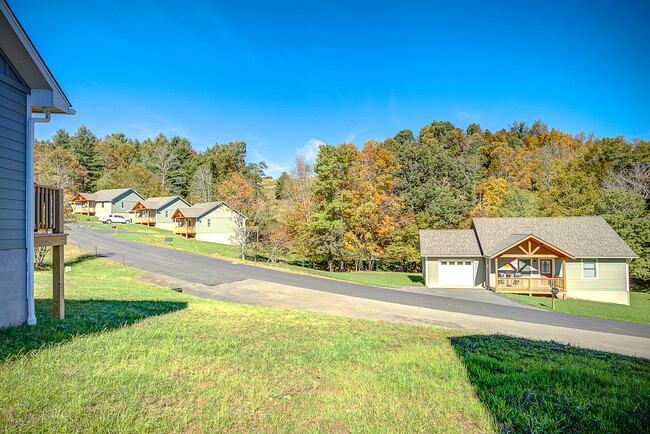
<point x="355" y="132"/>
<point x="310" y="149"/>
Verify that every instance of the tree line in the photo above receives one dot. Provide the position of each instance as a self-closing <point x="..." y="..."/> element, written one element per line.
<point x="361" y="209"/>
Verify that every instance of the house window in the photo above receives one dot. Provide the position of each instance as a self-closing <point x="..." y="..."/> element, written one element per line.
<point x="102" y="204"/>
<point x="589" y="268"/>
<point x="122" y="205"/>
<point x="166" y="213"/>
<point x="208" y="222"/>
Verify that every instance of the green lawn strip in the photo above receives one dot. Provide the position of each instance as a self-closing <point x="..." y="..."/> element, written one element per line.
<point x="171" y="362"/>
<point x="390" y="279"/>
<point x="548" y="387"/>
<point x="638" y="311"/>
<point x="79" y="218"/>
<point x="129" y="227"/>
<point x="190" y="364"/>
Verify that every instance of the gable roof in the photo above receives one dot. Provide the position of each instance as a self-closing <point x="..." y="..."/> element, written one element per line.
<point x="105" y="195"/>
<point x="196" y="211"/>
<point x="83" y="196"/>
<point x="112" y="194"/>
<point x="14" y="42"/>
<point x="157" y="202"/>
<point x="514" y="239"/>
<point x="578" y="237"/>
<point x="450" y="242"/>
<point x="581" y="237"/>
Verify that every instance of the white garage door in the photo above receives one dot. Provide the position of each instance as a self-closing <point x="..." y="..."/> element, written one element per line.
<point x="455" y="273"/>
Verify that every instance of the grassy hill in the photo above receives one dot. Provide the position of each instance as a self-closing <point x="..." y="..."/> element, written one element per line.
<point x="131" y="356"/>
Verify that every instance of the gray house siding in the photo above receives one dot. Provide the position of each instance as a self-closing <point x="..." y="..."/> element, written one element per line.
<point x="164" y="214"/>
<point x="13" y="248"/>
<point x="121" y="205"/>
<point x="13" y="137"/>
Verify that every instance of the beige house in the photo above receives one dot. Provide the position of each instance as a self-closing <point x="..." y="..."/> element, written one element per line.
<point x="103" y="203"/>
<point x="211" y="221"/>
<point x="582" y="257"/>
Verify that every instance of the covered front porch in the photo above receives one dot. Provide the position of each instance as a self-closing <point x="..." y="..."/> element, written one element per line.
<point x="184" y="225"/>
<point x="82" y="205"/>
<point x="143" y="215"/>
<point x="529" y="265"/>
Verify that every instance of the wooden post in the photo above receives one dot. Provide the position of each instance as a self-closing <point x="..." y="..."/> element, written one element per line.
<point x="187" y="229"/>
<point x="496" y="275"/>
<point x="564" y="278"/>
<point x="58" y="257"/>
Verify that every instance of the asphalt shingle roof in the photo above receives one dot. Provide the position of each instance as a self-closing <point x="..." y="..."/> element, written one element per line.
<point x="199" y="209"/>
<point x="105" y="195"/>
<point x="450" y="242"/>
<point x="582" y="237"/>
<point x="157" y="202"/>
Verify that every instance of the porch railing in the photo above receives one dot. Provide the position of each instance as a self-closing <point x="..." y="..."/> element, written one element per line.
<point x="182" y="230"/>
<point x="48" y="209"/>
<point x="145" y="220"/>
<point x="49" y="232"/>
<point x="529" y="284"/>
<point x="83" y="209"/>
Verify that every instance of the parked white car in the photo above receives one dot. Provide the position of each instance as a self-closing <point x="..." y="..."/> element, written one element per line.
<point x="114" y="218"/>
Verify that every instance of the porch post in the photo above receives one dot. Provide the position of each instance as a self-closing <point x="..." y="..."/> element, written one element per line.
<point x="58" y="256"/>
<point x="564" y="277"/>
<point x="496" y="275"/>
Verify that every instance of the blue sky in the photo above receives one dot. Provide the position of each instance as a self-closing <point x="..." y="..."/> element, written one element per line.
<point x="286" y="76"/>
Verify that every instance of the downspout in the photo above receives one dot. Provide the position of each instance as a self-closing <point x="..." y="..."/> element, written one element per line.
<point x="29" y="210"/>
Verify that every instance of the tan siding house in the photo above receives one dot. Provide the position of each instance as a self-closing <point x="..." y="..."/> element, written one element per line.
<point x="581" y="257"/>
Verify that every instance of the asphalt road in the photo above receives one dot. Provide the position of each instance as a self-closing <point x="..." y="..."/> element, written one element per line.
<point x="211" y="272"/>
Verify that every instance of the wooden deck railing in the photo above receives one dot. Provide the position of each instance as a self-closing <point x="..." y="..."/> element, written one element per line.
<point x="183" y="230"/>
<point x="530" y="284"/>
<point x="83" y="209"/>
<point x="146" y="220"/>
<point x="49" y="232"/>
<point x="48" y="210"/>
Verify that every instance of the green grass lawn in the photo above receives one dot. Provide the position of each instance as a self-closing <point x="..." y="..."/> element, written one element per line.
<point x="134" y="357"/>
<point x="388" y="279"/>
<point x="638" y="311"/>
<point x="79" y="218"/>
<point x="131" y="227"/>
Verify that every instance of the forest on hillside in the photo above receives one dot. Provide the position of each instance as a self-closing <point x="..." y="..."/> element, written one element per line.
<point x="362" y="208"/>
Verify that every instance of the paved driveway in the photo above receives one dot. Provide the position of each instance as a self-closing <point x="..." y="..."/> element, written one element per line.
<point x="477" y="310"/>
